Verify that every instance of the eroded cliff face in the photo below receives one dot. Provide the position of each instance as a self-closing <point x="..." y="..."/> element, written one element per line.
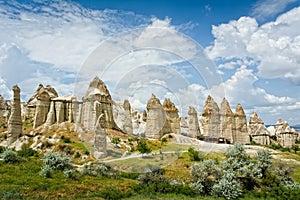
<point x="156" y="118"/>
<point x="15" y="120"/>
<point x="193" y="124"/>
<point x="211" y="118"/>
<point x="286" y="136"/>
<point x="97" y="101"/>
<point x="172" y="124"/>
<point x="227" y="122"/>
<point x="258" y="131"/>
<point x="240" y="130"/>
<point x="122" y="116"/>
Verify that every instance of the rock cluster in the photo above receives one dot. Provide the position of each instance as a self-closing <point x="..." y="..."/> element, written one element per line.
<point x="227" y="122"/>
<point x="257" y="130"/>
<point x="15" y="120"/>
<point x="156" y="118"/>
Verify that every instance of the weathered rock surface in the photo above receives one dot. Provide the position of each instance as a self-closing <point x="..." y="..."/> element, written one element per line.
<point x="211" y="118"/>
<point x="193" y="123"/>
<point x="15" y="120"/>
<point x="258" y="131"/>
<point x="97" y="101"/>
<point x="156" y="118"/>
<point x="172" y="124"/>
<point x="139" y="122"/>
<point x="240" y="131"/>
<point x="286" y="136"/>
<point x="100" y="140"/>
<point x="227" y="122"/>
<point x="122" y="116"/>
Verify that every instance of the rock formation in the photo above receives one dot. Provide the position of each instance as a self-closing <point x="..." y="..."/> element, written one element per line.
<point x="285" y="135"/>
<point x="211" y="120"/>
<point x="138" y="122"/>
<point x="258" y="131"/>
<point x="156" y="118"/>
<point x="226" y="122"/>
<point x="193" y="123"/>
<point x="240" y="131"/>
<point x="15" y="120"/>
<point x="127" y="126"/>
<point x="99" y="140"/>
<point x="172" y="124"/>
<point x="97" y="101"/>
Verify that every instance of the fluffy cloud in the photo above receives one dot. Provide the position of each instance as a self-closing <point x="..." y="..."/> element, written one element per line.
<point x="269" y="8"/>
<point x="274" y="45"/>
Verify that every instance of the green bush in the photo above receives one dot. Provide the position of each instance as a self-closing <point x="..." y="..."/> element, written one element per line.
<point x="69" y="173"/>
<point x="113" y="193"/>
<point x="57" y="161"/>
<point x="46" y="171"/>
<point x="9" y="156"/>
<point x="194" y="155"/>
<point x="27" y="152"/>
<point x="11" y="195"/>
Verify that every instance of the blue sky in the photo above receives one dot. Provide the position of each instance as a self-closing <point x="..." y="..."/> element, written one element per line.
<point x="248" y="51"/>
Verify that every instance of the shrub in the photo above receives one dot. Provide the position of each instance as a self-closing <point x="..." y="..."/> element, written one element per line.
<point x="102" y="169"/>
<point x="27" y="152"/>
<point x="113" y="193"/>
<point x="142" y="147"/>
<point x="69" y="173"/>
<point x="46" y="171"/>
<point x="9" y="156"/>
<point x="194" y="155"/>
<point x="56" y="160"/>
<point x="11" y="195"/>
<point x="67" y="140"/>
<point x="115" y="140"/>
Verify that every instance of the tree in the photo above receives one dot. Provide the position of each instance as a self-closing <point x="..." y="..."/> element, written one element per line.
<point x="142" y="147"/>
<point x="116" y="141"/>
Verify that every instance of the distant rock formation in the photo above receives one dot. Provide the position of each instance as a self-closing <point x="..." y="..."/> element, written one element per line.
<point x="258" y="131"/>
<point x="15" y="120"/>
<point x="99" y="140"/>
<point x="138" y="122"/>
<point x="97" y="101"/>
<point x="4" y="108"/>
<point x="127" y="126"/>
<point x="227" y="122"/>
<point x="285" y="135"/>
<point x="211" y="119"/>
<point x="240" y="131"/>
<point x="172" y="124"/>
<point x="156" y="118"/>
<point x="193" y="123"/>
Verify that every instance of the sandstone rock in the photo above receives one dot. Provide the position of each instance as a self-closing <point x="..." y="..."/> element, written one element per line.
<point x="138" y="122"/>
<point x="156" y="118"/>
<point x="211" y="118"/>
<point x="51" y="116"/>
<point x="127" y="126"/>
<point x="258" y="130"/>
<point x="100" y="140"/>
<point x="227" y="122"/>
<point x="172" y="124"/>
<point x="285" y="134"/>
<point x="97" y="101"/>
<point x="240" y="130"/>
<point x="184" y="126"/>
<point x="193" y="123"/>
<point x="15" y="121"/>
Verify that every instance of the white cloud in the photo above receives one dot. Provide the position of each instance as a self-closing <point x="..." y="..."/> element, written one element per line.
<point x="274" y="45"/>
<point x="269" y="8"/>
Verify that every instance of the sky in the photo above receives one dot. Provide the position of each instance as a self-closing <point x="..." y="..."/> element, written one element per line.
<point x="247" y="51"/>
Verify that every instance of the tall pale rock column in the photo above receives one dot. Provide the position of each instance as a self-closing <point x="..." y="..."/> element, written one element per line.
<point x="258" y="131"/>
<point x="100" y="150"/>
<point x="41" y="110"/>
<point x="193" y="123"/>
<point x="97" y="101"/>
<point x="51" y="116"/>
<point x="240" y="131"/>
<point x="127" y="126"/>
<point x="227" y="121"/>
<point x="15" y="121"/>
<point x="172" y="124"/>
<point x="156" y="118"/>
<point x="211" y="118"/>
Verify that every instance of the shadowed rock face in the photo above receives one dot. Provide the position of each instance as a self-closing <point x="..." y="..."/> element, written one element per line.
<point x="156" y="118"/>
<point x="97" y="101"/>
<point x="127" y="125"/>
<point x="211" y="118"/>
<point x="258" y="130"/>
<point x="100" y="150"/>
<point x="226" y="121"/>
<point x="193" y="123"/>
<point x="15" y="121"/>
<point x="240" y="131"/>
<point x="172" y="124"/>
<point x="285" y="134"/>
